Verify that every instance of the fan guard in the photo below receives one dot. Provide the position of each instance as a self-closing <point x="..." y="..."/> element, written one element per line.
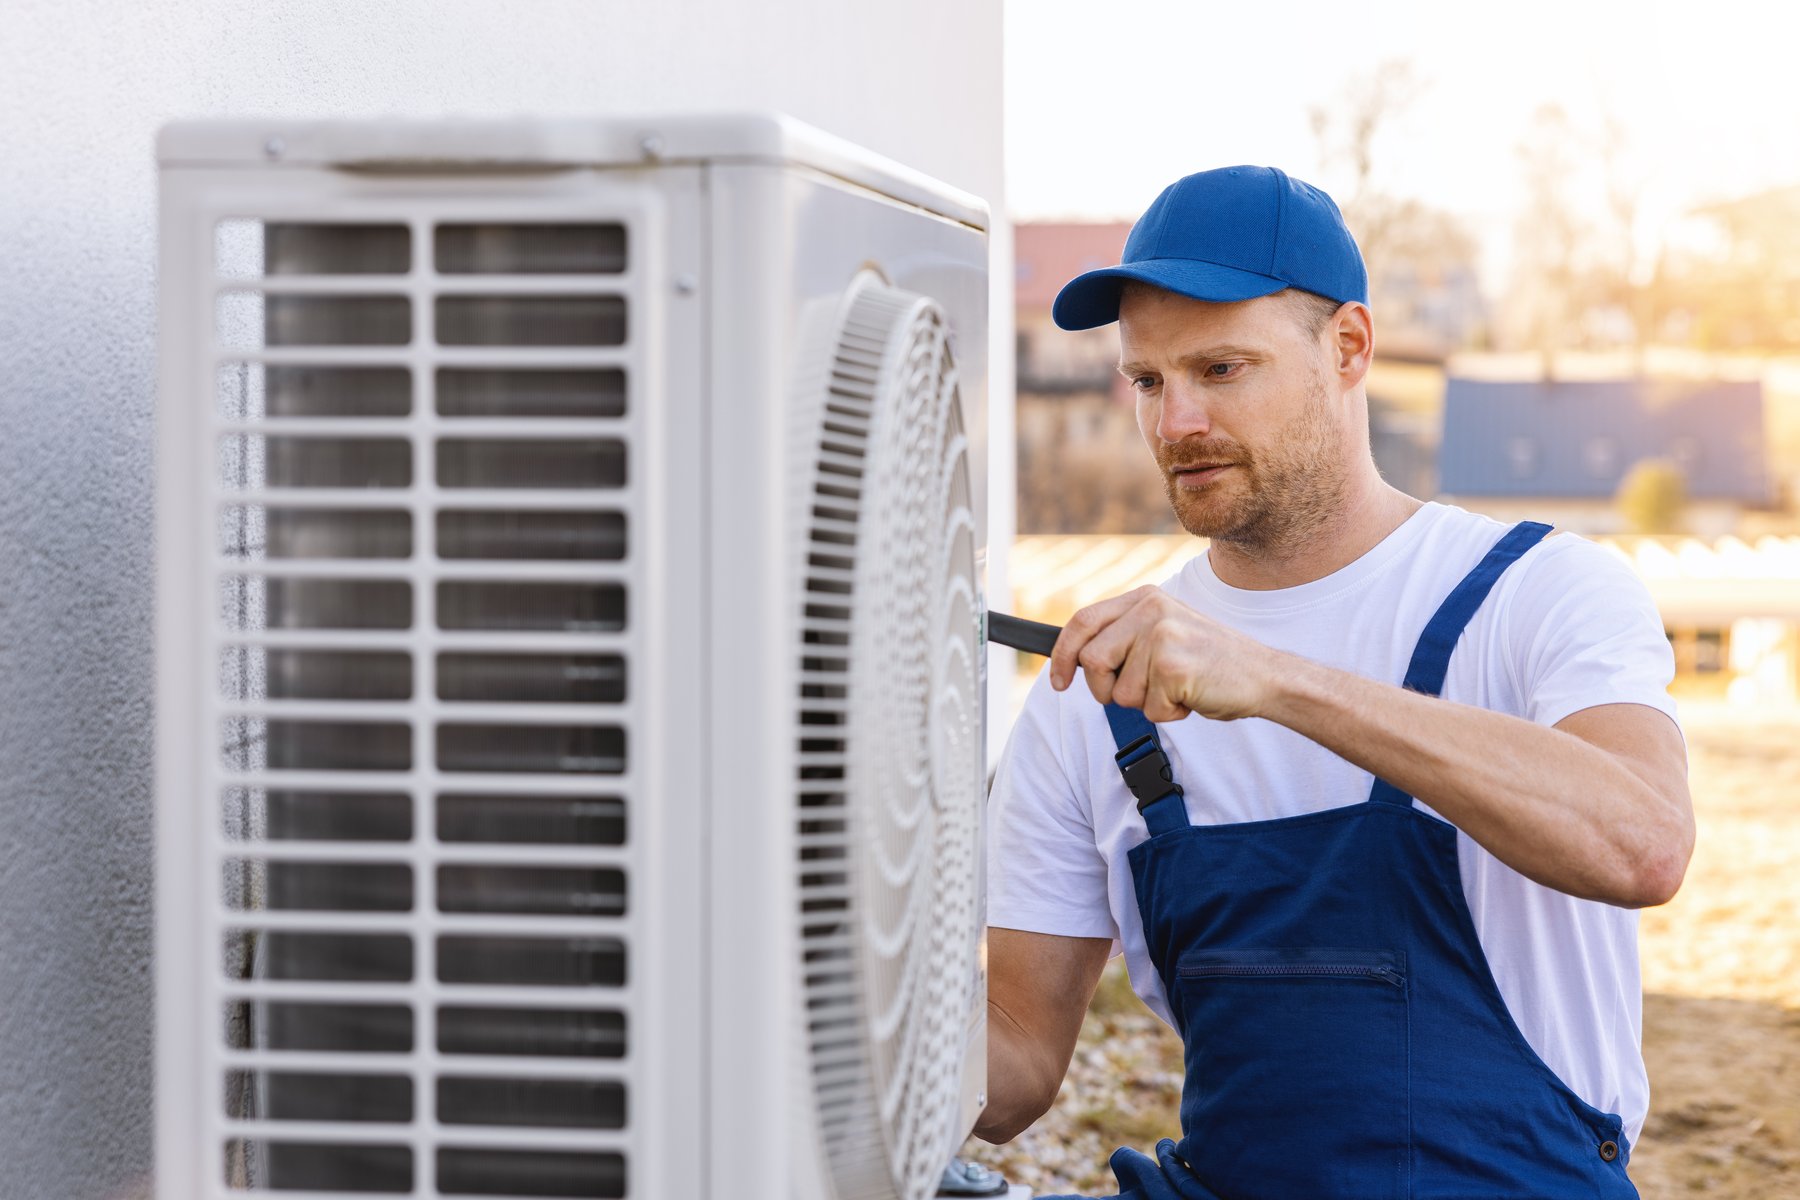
<point x="890" y="749"/>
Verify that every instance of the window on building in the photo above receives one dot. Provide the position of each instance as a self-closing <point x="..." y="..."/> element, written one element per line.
<point x="1601" y="456"/>
<point x="1522" y="457"/>
<point x="1685" y="451"/>
<point x="1699" y="651"/>
<point x="1709" y="651"/>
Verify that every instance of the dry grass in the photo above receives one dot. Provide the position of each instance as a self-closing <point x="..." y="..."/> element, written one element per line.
<point x="1721" y="1009"/>
<point x="1722" y="976"/>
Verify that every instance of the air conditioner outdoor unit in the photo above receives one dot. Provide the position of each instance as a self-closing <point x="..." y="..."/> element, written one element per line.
<point x="569" y="662"/>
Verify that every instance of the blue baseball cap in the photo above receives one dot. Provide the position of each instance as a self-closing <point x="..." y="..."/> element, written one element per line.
<point x="1231" y="234"/>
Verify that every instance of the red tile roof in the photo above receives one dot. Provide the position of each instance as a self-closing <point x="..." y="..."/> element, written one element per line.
<point x="1048" y="255"/>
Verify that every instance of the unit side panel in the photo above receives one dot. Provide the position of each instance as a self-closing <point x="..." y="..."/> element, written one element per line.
<point x="786" y="245"/>
<point x="414" y="781"/>
<point x="847" y="229"/>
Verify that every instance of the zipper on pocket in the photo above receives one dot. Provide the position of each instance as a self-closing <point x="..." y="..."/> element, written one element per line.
<point x="1353" y="970"/>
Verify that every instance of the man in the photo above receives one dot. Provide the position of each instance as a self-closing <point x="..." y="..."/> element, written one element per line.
<point x="1384" y="891"/>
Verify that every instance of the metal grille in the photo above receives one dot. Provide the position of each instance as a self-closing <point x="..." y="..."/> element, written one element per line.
<point x="890" y="767"/>
<point x="426" y="499"/>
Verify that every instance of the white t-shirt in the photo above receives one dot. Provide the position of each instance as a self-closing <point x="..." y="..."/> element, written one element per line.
<point x="1568" y="626"/>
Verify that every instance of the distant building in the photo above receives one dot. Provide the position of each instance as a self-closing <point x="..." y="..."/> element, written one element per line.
<point x="1404" y="445"/>
<point x="1082" y="466"/>
<point x="1426" y="311"/>
<point x="1731" y="608"/>
<point x="1557" y="450"/>
<point x="1046" y="256"/>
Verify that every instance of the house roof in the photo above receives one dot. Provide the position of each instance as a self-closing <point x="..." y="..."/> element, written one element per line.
<point x="1579" y="438"/>
<point x="1047" y="255"/>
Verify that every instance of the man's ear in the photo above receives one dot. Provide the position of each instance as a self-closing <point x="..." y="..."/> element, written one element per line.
<point x="1352" y="333"/>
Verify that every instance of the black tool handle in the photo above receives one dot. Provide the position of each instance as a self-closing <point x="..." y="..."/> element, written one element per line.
<point x="1033" y="637"/>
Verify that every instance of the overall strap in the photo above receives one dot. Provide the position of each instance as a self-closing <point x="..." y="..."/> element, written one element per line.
<point x="1431" y="657"/>
<point x="1146" y="770"/>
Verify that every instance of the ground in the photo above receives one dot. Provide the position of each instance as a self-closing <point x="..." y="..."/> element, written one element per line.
<point x="1721" y="1005"/>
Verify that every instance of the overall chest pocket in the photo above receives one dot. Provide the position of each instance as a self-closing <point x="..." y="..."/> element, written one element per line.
<point x="1297" y="1071"/>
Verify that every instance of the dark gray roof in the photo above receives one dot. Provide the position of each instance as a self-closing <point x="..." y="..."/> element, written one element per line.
<point x="1579" y="438"/>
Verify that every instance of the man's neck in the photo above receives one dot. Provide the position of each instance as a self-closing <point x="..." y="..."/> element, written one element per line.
<point x="1371" y="510"/>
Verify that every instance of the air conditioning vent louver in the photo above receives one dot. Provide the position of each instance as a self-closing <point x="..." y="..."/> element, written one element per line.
<point x="889" y="749"/>
<point x="410" y="597"/>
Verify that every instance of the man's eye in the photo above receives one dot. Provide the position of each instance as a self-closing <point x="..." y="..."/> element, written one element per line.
<point x="1144" y="383"/>
<point x="1220" y="370"/>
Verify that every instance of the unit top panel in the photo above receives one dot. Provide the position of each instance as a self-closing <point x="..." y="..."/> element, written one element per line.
<point x="466" y="144"/>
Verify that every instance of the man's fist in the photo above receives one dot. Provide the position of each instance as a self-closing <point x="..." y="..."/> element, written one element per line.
<point x="1147" y="650"/>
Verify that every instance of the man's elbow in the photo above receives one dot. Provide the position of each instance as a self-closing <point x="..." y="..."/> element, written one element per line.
<point x="1657" y="875"/>
<point x="1013" y="1110"/>
<point x="1017" y="1097"/>
<point x="1004" y="1127"/>
<point x="998" y="1134"/>
<point x="1657" y="880"/>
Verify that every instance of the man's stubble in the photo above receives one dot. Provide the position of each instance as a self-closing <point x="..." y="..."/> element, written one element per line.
<point x="1286" y="491"/>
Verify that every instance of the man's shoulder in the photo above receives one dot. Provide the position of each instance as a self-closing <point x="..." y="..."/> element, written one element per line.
<point x="1565" y="563"/>
<point x="1565" y="592"/>
<point x="1448" y="525"/>
<point x="1573" y="608"/>
<point x="1464" y="538"/>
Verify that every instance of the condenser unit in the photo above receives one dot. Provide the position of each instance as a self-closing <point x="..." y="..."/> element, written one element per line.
<point x="569" y="662"/>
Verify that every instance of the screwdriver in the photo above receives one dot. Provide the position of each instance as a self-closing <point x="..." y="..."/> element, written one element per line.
<point x="1033" y="637"/>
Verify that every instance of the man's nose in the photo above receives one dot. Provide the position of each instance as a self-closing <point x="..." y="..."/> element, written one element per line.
<point x="1183" y="413"/>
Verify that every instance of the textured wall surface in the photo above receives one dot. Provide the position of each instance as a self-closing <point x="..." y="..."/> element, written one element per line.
<point x="83" y="87"/>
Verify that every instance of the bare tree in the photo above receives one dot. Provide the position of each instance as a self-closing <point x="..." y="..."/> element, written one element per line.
<point x="1744" y="292"/>
<point x="1584" y="270"/>
<point x="1410" y="248"/>
<point x="1625" y="272"/>
<point x="1549" y="236"/>
<point x="1347" y="128"/>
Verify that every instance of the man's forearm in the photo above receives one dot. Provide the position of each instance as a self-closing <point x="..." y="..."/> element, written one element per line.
<point x="1552" y="806"/>
<point x="1039" y="986"/>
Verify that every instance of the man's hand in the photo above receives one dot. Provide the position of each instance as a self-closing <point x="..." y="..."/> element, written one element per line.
<point x="1148" y="650"/>
<point x="1597" y="807"/>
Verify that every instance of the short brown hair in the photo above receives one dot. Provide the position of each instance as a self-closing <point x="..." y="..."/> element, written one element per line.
<point x="1315" y="310"/>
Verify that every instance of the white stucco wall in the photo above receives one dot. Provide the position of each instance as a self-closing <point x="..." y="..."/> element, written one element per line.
<point x="83" y="87"/>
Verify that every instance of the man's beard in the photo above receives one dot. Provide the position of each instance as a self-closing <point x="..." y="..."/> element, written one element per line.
<point x="1284" y="492"/>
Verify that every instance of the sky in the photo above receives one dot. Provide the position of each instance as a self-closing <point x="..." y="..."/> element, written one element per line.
<point x="1107" y="103"/>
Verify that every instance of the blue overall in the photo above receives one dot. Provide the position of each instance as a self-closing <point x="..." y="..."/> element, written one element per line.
<point x="1344" y="1037"/>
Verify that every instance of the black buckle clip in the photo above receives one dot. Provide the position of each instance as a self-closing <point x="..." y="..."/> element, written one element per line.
<point x="1151" y="777"/>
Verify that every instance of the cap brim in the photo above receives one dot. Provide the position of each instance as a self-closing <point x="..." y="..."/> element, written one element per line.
<point x="1092" y="299"/>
